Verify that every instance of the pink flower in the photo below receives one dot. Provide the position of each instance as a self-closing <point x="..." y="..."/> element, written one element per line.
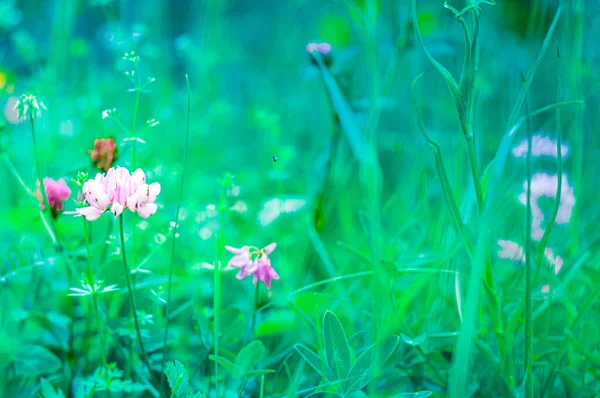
<point x="104" y="153"/>
<point x="545" y="185"/>
<point x="255" y="262"/>
<point x="555" y="261"/>
<point x="57" y="192"/>
<point x="540" y="146"/>
<point x="264" y="272"/>
<point x="119" y="190"/>
<point x="512" y="251"/>
<point x="241" y="260"/>
<point x="323" y="48"/>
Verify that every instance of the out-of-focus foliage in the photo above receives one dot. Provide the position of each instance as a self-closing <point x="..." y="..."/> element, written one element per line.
<point x="322" y="154"/>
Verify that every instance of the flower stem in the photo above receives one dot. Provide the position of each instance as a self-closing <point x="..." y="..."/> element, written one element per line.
<point x="528" y="306"/>
<point x="132" y="299"/>
<point x="217" y="286"/>
<point x="173" y="238"/>
<point x="262" y="386"/>
<point x="256" y="296"/>
<point x="51" y="226"/>
<point x="92" y="283"/>
<point x="11" y="167"/>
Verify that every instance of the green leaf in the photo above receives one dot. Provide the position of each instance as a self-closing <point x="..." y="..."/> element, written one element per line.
<point x="420" y="394"/>
<point x="413" y="342"/>
<point x="33" y="361"/>
<point x="356" y="138"/>
<point x="197" y="395"/>
<point x="229" y="366"/>
<point x="236" y="324"/>
<point x="204" y="330"/>
<point x="178" y="378"/>
<point x="279" y="322"/>
<point x="314" y="361"/>
<point x="455" y="92"/>
<point x="589" y="336"/>
<point x="48" y="391"/>
<point x="258" y="372"/>
<point x="356" y="394"/>
<point x="337" y="350"/>
<point x="360" y="374"/>
<point x="249" y="356"/>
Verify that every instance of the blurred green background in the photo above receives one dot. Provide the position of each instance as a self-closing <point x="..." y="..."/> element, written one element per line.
<point x="256" y="94"/>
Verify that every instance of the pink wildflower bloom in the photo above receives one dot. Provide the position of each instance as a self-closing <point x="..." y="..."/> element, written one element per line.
<point x="104" y="153"/>
<point x="545" y="185"/>
<point x="57" y="192"/>
<point x="253" y="262"/>
<point x="323" y="48"/>
<point x="546" y="289"/>
<point x="264" y="272"/>
<point x="540" y="146"/>
<point x="119" y="190"/>
<point x="512" y="251"/>
<point x="241" y="260"/>
<point x="555" y="261"/>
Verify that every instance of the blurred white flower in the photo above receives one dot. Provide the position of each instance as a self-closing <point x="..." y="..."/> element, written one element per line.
<point x="540" y="146"/>
<point x="545" y="185"/>
<point x="273" y="208"/>
<point x="205" y="233"/>
<point x="239" y="207"/>
<point x="513" y="251"/>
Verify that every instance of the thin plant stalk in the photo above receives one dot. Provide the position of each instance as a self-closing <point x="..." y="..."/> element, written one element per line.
<point x="460" y="102"/>
<point x="262" y="386"/>
<point x="174" y="236"/>
<point x="575" y="80"/>
<point x="50" y="226"/>
<point x="43" y="190"/>
<point x="11" y="167"/>
<point x="551" y="222"/>
<point x="442" y="175"/>
<point x="256" y="297"/>
<point x="217" y="285"/>
<point x="528" y="354"/>
<point x="92" y="283"/>
<point x="545" y="237"/>
<point x="132" y="298"/>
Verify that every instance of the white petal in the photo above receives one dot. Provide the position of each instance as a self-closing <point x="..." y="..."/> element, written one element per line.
<point x="90" y="213"/>
<point x="147" y="210"/>
<point x="116" y="209"/>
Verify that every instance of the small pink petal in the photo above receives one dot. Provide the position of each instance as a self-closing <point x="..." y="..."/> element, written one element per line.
<point x="269" y="249"/>
<point x="324" y="48"/>
<point x="147" y="210"/>
<point x="234" y="250"/>
<point x="90" y="213"/>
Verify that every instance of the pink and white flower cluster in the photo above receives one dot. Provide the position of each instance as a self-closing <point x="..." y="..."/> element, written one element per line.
<point x="253" y="261"/>
<point x="546" y="185"/>
<point x="513" y="251"/>
<point x="118" y="190"/>
<point x="540" y="146"/>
